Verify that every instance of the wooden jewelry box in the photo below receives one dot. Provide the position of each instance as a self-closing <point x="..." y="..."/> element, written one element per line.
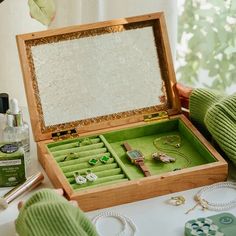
<point x="93" y="88"/>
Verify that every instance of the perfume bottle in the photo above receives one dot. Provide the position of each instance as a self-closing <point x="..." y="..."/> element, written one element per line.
<point x="4" y="105"/>
<point x="16" y="130"/>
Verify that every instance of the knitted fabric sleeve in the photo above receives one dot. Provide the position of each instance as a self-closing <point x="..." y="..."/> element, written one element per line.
<point x="200" y="102"/>
<point x="216" y="113"/>
<point x="47" y="213"/>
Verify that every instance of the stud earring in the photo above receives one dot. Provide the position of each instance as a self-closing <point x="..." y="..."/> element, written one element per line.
<point x="177" y="145"/>
<point x="77" y="144"/>
<point x="71" y="155"/>
<point x="104" y="159"/>
<point x="85" y="142"/>
<point x="79" y="179"/>
<point x="90" y="176"/>
<point x="93" y="161"/>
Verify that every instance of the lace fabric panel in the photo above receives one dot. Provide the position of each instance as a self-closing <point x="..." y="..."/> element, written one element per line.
<point x="95" y="76"/>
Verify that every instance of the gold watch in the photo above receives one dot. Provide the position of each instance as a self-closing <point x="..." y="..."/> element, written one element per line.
<point x="137" y="158"/>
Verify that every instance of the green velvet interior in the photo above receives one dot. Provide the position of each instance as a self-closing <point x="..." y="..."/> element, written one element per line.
<point x="119" y="168"/>
<point x="191" y="152"/>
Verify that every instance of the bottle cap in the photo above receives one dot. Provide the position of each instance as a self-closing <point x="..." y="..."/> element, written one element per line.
<point x="14" y="115"/>
<point x="14" y="107"/>
<point x="4" y="102"/>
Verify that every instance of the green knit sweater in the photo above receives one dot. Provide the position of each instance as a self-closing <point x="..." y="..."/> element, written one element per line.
<point x="215" y="113"/>
<point x="48" y="214"/>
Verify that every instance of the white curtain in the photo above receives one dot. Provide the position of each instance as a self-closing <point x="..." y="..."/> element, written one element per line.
<point x="14" y="19"/>
<point x="86" y="11"/>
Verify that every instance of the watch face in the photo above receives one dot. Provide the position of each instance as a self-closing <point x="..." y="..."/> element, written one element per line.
<point x="135" y="155"/>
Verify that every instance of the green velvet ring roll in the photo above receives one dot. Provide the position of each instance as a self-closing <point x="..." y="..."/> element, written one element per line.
<point x="82" y="154"/>
<point x="72" y="144"/>
<point x="99" y="181"/>
<point x="78" y="149"/>
<point x="100" y="174"/>
<point x="103" y="184"/>
<point x="83" y="166"/>
<point x="83" y="159"/>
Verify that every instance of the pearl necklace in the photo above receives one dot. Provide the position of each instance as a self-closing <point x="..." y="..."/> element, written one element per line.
<point x="164" y="143"/>
<point x="123" y="219"/>
<point x="214" y="206"/>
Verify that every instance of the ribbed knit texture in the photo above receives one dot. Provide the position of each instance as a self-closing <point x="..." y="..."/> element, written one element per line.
<point x="216" y="113"/>
<point x="48" y="214"/>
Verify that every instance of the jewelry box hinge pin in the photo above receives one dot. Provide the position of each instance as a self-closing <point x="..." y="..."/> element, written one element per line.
<point x="71" y="133"/>
<point x="162" y="115"/>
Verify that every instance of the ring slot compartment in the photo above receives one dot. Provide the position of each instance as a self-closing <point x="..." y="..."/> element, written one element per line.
<point x="109" y="173"/>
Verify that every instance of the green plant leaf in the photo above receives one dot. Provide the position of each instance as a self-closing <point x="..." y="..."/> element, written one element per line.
<point x="42" y="10"/>
<point x="212" y="45"/>
<point x="213" y="72"/>
<point x="233" y="5"/>
<point x="230" y="50"/>
<point x="218" y="3"/>
<point x="204" y="13"/>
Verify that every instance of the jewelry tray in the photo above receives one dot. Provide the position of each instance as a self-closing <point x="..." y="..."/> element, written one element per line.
<point x="112" y="82"/>
<point x="119" y="169"/>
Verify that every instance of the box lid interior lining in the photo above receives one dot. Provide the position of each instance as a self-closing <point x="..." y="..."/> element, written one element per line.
<point x="98" y="75"/>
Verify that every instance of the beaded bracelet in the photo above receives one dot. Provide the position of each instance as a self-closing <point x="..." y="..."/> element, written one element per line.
<point x="214" y="206"/>
<point x="123" y="219"/>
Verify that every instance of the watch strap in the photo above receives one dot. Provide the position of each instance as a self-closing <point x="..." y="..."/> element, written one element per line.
<point x="143" y="167"/>
<point x="127" y="146"/>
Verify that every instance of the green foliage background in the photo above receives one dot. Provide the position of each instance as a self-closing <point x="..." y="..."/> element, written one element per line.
<point x="211" y="45"/>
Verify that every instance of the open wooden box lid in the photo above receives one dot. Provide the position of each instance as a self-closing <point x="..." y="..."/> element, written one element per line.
<point x="95" y="76"/>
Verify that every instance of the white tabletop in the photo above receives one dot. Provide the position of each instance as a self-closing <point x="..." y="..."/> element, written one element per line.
<point x="152" y="216"/>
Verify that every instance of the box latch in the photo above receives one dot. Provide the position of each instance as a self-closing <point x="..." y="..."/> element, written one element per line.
<point x="71" y="133"/>
<point x="156" y="116"/>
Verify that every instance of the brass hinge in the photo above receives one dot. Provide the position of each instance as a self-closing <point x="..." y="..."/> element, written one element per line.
<point x="71" y="133"/>
<point x="156" y="116"/>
